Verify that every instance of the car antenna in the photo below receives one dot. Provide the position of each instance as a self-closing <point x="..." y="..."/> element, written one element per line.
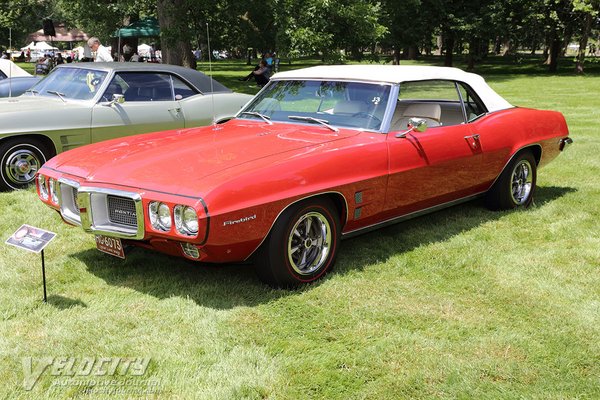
<point x="212" y="89"/>
<point x="9" y="64"/>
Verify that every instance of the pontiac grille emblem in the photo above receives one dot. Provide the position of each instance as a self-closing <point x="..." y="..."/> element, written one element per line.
<point x="125" y="212"/>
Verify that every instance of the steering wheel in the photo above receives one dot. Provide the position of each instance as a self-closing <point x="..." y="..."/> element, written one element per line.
<point x="373" y="117"/>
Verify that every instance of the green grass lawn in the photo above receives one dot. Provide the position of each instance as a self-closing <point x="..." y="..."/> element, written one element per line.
<point x="463" y="303"/>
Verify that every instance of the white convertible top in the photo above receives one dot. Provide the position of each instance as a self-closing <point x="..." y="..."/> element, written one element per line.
<point x="397" y="74"/>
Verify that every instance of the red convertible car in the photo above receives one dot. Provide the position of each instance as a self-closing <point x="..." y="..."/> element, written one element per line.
<point x="319" y="154"/>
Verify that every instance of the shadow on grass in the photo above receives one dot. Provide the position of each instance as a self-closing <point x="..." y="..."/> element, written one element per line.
<point x="64" y="303"/>
<point x="234" y="285"/>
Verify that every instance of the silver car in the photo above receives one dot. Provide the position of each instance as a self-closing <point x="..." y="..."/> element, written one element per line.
<point x="78" y="104"/>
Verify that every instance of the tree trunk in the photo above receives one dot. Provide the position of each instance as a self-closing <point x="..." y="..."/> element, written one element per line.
<point x="439" y="45"/>
<point x="474" y="53"/>
<point x="497" y="45"/>
<point x="448" y="49"/>
<point x="555" y="48"/>
<point x="413" y="52"/>
<point x="396" y="56"/>
<point x="583" y="42"/>
<point x="508" y="48"/>
<point x="175" y="38"/>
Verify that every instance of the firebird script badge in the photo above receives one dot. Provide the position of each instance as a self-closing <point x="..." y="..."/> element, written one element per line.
<point x="239" y="221"/>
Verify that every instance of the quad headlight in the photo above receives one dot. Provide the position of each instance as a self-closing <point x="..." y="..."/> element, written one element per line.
<point x="160" y="216"/>
<point x="185" y="217"/>
<point x="42" y="187"/>
<point x="186" y="220"/>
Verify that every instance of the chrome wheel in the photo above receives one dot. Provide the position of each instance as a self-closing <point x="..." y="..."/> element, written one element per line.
<point x="309" y="243"/>
<point x="20" y="160"/>
<point x="21" y="166"/>
<point x="521" y="182"/>
<point x="302" y="245"/>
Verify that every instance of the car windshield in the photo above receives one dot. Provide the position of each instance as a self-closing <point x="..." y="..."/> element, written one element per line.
<point x="70" y="83"/>
<point x="330" y="103"/>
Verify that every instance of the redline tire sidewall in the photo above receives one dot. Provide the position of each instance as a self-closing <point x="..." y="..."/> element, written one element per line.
<point x="334" y="226"/>
<point x="11" y="147"/>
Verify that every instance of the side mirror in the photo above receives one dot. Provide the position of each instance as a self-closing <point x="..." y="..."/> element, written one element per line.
<point x="116" y="99"/>
<point x="414" y="124"/>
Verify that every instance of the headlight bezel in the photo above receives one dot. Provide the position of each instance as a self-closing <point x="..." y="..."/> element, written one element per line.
<point x="52" y="190"/>
<point x="160" y="223"/>
<point x="43" y="189"/>
<point x="186" y="220"/>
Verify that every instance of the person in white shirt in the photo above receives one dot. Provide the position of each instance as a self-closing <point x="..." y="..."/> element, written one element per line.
<point x="102" y="53"/>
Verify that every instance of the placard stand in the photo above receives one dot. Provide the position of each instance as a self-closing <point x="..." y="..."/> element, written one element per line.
<point x="33" y="239"/>
<point x="44" y="277"/>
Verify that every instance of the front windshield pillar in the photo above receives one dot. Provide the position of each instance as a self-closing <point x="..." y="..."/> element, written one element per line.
<point x="391" y="108"/>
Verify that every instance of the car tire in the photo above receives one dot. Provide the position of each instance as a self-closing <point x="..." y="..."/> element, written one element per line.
<point x="302" y="246"/>
<point x="516" y="184"/>
<point x="20" y="160"/>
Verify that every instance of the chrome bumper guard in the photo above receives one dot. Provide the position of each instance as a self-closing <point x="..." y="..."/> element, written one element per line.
<point x="564" y="142"/>
<point x="67" y="195"/>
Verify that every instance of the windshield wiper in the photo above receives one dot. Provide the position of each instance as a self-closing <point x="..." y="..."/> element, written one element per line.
<point x="32" y="91"/>
<point x="265" y="118"/>
<point x="323" y="122"/>
<point x="59" y="94"/>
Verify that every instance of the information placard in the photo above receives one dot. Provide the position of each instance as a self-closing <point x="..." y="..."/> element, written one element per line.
<point x="31" y="238"/>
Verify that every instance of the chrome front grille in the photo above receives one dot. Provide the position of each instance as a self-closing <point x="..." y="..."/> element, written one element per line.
<point x="111" y="212"/>
<point x="121" y="211"/>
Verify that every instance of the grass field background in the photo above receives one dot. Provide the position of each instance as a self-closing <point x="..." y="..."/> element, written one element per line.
<point x="463" y="303"/>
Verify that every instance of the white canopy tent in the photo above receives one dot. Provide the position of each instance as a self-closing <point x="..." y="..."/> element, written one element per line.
<point x="144" y="50"/>
<point x="40" y="46"/>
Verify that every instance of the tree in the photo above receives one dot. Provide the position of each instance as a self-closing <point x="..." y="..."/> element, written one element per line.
<point x="587" y="12"/>
<point x="22" y="17"/>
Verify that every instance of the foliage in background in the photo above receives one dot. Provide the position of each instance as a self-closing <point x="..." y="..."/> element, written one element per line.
<point x="334" y="30"/>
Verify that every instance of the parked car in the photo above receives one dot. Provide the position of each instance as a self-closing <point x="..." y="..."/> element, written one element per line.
<point x="83" y="103"/>
<point x="14" y="80"/>
<point x="319" y="154"/>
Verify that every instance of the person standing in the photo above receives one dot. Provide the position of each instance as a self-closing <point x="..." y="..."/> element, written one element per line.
<point x="102" y="53"/>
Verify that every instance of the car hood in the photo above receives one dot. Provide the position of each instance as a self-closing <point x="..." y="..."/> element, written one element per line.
<point x="39" y="104"/>
<point x="176" y="161"/>
<point x="36" y="113"/>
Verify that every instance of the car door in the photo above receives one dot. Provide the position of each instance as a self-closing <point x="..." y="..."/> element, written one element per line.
<point x="439" y="165"/>
<point x="149" y="106"/>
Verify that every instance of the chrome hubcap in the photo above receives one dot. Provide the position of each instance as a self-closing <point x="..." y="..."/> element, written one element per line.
<point x="21" y="166"/>
<point x="309" y="243"/>
<point x="521" y="182"/>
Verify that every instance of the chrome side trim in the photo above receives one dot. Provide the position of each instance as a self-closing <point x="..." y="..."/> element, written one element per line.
<point x="288" y="206"/>
<point x="412" y="215"/>
<point x="94" y="213"/>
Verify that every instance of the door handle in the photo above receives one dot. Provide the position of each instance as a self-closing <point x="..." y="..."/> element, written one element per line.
<point x="473" y="141"/>
<point x="175" y="111"/>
